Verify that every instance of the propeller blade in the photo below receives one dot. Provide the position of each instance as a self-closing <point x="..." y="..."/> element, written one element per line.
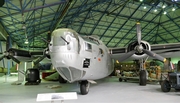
<point x="39" y="59"/>
<point x="14" y="59"/>
<point x="138" y="32"/>
<point x="126" y="56"/>
<point x="1" y="57"/>
<point x="154" y="55"/>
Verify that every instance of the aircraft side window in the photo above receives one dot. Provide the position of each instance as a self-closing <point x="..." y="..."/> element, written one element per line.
<point x="88" y="47"/>
<point x="94" y="40"/>
<point x="101" y="51"/>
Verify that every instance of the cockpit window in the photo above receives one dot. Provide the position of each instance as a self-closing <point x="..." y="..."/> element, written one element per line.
<point x="88" y="47"/>
<point x="91" y="39"/>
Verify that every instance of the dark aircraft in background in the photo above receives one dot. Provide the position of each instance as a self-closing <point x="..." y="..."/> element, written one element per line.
<point x="19" y="55"/>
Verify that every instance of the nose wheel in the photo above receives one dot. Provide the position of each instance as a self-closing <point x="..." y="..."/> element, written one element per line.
<point x="61" y="80"/>
<point x="84" y="87"/>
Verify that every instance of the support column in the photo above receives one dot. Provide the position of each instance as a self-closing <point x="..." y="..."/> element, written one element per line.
<point x="22" y="67"/>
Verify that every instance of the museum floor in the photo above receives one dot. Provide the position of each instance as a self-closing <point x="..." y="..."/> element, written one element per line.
<point x="108" y="90"/>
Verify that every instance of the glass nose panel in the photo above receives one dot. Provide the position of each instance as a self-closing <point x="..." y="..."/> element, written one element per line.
<point x="62" y="37"/>
<point x="71" y="74"/>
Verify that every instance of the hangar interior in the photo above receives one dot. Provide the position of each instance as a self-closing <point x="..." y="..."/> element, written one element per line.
<point x="28" y="24"/>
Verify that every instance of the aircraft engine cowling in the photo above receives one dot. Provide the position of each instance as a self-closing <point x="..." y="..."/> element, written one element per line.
<point x="139" y="54"/>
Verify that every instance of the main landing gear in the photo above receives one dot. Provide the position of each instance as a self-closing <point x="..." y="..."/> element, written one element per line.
<point x="84" y="87"/>
<point x="32" y="77"/>
<point x="61" y="80"/>
<point x="142" y="77"/>
<point x="142" y="74"/>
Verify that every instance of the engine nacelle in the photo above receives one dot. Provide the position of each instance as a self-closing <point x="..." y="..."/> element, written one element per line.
<point x="139" y="54"/>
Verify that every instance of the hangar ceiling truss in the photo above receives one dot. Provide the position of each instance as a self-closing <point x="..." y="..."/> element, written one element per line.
<point x="112" y="20"/>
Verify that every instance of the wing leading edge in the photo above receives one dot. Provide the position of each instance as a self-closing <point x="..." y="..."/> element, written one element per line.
<point x="164" y="50"/>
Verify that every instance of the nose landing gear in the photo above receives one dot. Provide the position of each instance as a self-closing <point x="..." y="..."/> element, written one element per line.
<point x="84" y="87"/>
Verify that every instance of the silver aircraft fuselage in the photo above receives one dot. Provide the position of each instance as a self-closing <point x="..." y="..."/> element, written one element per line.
<point x="79" y="58"/>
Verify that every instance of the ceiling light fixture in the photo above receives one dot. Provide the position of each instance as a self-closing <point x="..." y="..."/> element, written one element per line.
<point x="164" y="6"/>
<point x="24" y="26"/>
<point x="165" y="13"/>
<point x="26" y="42"/>
<point x="173" y="9"/>
<point x="155" y="10"/>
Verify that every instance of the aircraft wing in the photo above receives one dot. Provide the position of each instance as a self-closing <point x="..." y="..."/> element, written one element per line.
<point x="40" y="55"/>
<point x="140" y="49"/>
<point x="167" y="50"/>
<point x="164" y="50"/>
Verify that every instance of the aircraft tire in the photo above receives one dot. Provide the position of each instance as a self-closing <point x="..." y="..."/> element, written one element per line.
<point x="142" y="78"/>
<point x="165" y="86"/>
<point x="120" y="79"/>
<point x="39" y="81"/>
<point x="61" y="80"/>
<point x="177" y="90"/>
<point x="84" y="87"/>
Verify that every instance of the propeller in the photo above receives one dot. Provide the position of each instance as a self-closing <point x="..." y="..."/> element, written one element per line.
<point x="127" y="55"/>
<point x="138" y="29"/>
<point x="39" y="59"/>
<point x="139" y="48"/>
<point x="46" y="51"/>
<point x="154" y="55"/>
<point x="9" y="54"/>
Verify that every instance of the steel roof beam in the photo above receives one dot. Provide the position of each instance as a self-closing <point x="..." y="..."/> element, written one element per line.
<point x="56" y="15"/>
<point x="123" y="16"/>
<point x="32" y="26"/>
<point x="36" y="8"/>
<point x="170" y="20"/>
<point x="3" y="32"/>
<point x="10" y="16"/>
<point x="34" y="35"/>
<point x="68" y="5"/>
<point x="122" y="26"/>
<point x="78" y="12"/>
<point x="111" y="21"/>
<point x="170" y="33"/>
<point x="173" y="21"/>
<point x="147" y="25"/>
<point x="31" y="19"/>
<point x="162" y="39"/>
<point x="92" y="30"/>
